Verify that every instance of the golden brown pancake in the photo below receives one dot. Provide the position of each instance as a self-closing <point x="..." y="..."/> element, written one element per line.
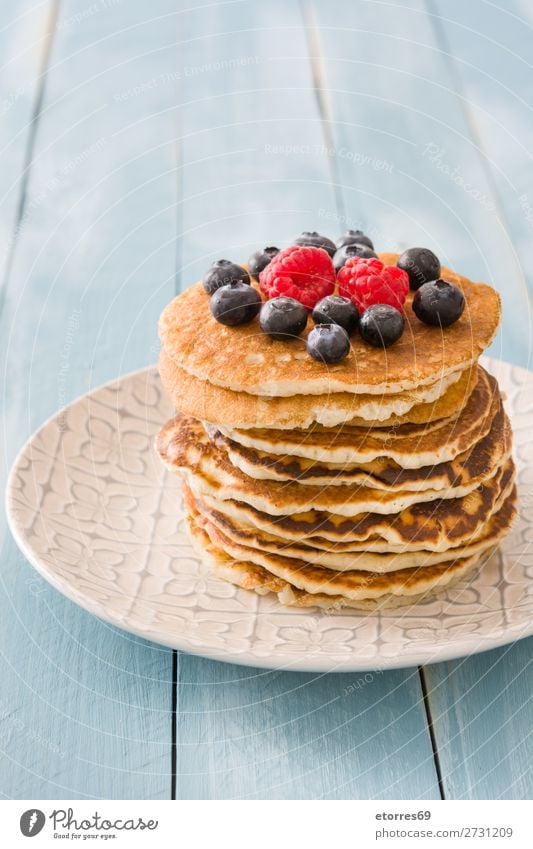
<point x="412" y="585"/>
<point x="211" y="403"/>
<point x="434" y="525"/>
<point x="245" y="360"/>
<point x="369" y="483"/>
<point x="186" y="449"/>
<point x="352" y="583"/>
<point x="410" y="445"/>
<point x="469" y="468"/>
<point x="333" y="558"/>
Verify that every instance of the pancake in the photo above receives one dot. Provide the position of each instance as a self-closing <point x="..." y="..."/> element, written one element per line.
<point x="390" y="589"/>
<point x="230" y="522"/>
<point x="186" y="449"/>
<point x="195" y="342"/>
<point x="469" y="468"/>
<point x="370" y="483"/>
<point x="409" y="445"/>
<point x="211" y="403"/>
<point x="435" y="525"/>
<point x="351" y="583"/>
<point x="364" y="560"/>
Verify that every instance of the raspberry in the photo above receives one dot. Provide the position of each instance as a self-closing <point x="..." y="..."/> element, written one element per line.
<point x="369" y="281"/>
<point x="303" y="273"/>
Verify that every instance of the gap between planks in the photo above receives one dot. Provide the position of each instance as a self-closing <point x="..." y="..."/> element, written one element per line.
<point x="174" y="727"/>
<point x="40" y="86"/>
<point x="431" y="730"/>
<point x="318" y="74"/>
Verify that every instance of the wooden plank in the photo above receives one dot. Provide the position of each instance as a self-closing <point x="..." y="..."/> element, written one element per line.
<point x="481" y="710"/>
<point x="395" y="98"/>
<point x="410" y="167"/>
<point x="251" y="733"/>
<point x="87" y="710"/>
<point x="489" y="58"/>
<point x="256" y="171"/>
<point x="25" y="35"/>
<point x="482" y="707"/>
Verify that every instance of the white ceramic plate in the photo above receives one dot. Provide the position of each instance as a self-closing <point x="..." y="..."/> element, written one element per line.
<point x="96" y="514"/>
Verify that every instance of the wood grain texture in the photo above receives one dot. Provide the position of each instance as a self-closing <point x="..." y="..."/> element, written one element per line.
<point x="482" y="706"/>
<point x="254" y="734"/>
<point x="411" y="168"/>
<point x="481" y="710"/>
<point x="413" y="128"/>
<point x="486" y="47"/>
<point x="86" y="708"/>
<point x="26" y="31"/>
<point x="257" y="170"/>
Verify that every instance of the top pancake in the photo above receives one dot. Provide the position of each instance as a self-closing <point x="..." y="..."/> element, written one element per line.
<point x="244" y="359"/>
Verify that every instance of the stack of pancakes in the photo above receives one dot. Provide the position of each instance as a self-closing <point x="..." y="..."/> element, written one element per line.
<point x="368" y="483"/>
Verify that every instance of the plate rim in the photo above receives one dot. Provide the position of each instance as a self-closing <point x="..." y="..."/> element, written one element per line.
<point x="469" y="644"/>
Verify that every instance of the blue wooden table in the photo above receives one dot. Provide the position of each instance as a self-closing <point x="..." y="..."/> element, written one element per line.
<point x="140" y="141"/>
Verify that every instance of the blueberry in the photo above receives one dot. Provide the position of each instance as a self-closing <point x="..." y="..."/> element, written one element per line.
<point x="342" y="255"/>
<point x="381" y="325"/>
<point x="354" y="237"/>
<point x="438" y="303"/>
<point x="223" y="272"/>
<point x="283" y="317"/>
<point x="235" y="303"/>
<point x="315" y="240"/>
<point x="328" y="343"/>
<point x="260" y="259"/>
<point x="421" y="265"/>
<point x="334" y="309"/>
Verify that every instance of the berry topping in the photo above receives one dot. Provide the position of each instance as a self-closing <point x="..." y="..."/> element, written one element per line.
<point x="328" y="343"/>
<point x="438" y="303"/>
<point x="283" y="317"/>
<point x="421" y="265"/>
<point x="235" y="303"/>
<point x="381" y="325"/>
<point x="223" y="272"/>
<point x="369" y="281"/>
<point x="336" y="310"/>
<point x="354" y="237"/>
<point x="260" y="259"/>
<point x="315" y="240"/>
<point x="303" y="273"/>
<point x="348" y="251"/>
